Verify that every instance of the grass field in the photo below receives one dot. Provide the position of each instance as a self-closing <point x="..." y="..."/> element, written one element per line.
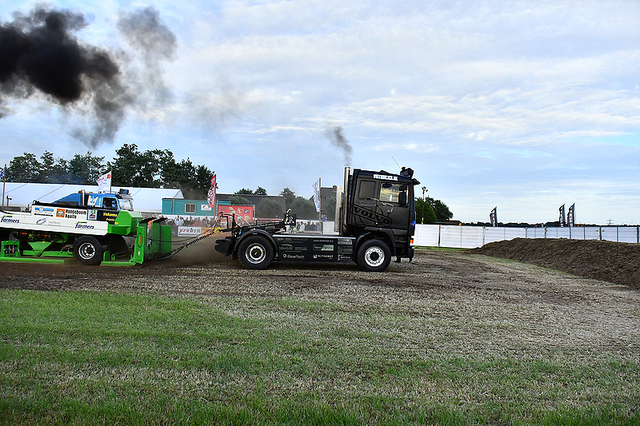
<point x="102" y="358"/>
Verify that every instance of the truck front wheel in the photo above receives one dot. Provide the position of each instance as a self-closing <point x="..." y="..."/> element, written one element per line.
<point x="88" y="251"/>
<point x="255" y="252"/>
<point x="374" y="256"/>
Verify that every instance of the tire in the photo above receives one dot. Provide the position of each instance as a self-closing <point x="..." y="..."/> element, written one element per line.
<point x="88" y="251"/>
<point x="374" y="256"/>
<point x="255" y="252"/>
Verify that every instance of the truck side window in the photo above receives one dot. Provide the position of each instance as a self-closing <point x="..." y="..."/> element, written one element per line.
<point x="393" y="193"/>
<point x="367" y="190"/>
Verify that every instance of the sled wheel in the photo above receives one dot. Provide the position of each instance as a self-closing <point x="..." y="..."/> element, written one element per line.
<point x="88" y="251"/>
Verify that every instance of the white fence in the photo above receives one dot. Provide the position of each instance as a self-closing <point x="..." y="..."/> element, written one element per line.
<point x="455" y="236"/>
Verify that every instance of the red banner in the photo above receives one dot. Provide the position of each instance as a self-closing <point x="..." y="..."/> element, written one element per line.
<point x="211" y="196"/>
<point x="244" y="214"/>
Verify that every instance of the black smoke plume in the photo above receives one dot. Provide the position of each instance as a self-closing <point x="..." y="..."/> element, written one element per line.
<point x="41" y="56"/>
<point x="334" y="133"/>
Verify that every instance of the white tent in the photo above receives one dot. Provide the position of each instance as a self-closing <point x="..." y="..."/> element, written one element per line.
<point x="145" y="200"/>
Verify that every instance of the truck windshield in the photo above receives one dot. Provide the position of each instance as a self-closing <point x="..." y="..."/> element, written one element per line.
<point x="126" y="204"/>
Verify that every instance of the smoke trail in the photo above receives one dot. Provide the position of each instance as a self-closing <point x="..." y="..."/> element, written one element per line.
<point x="153" y="40"/>
<point x="334" y="133"/>
<point x="39" y="54"/>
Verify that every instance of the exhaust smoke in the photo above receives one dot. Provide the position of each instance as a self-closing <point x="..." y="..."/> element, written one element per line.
<point x="334" y="133"/>
<point x="154" y="42"/>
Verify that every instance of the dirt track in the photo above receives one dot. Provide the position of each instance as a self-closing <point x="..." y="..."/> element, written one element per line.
<point x="448" y="275"/>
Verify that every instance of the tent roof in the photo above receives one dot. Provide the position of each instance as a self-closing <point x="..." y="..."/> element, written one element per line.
<point x="147" y="200"/>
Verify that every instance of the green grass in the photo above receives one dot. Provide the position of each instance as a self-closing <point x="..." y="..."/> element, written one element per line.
<point x="97" y="358"/>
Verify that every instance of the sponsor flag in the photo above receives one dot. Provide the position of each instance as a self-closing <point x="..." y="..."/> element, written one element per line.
<point x="2" y="172"/>
<point x="493" y="216"/>
<point x="211" y="195"/>
<point x="562" y="219"/>
<point x="571" y="216"/>
<point x="104" y="182"/>
<point x="316" y="195"/>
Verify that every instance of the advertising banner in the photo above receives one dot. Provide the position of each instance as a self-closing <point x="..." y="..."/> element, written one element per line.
<point x="493" y="216"/>
<point x="244" y="214"/>
<point x="190" y="231"/>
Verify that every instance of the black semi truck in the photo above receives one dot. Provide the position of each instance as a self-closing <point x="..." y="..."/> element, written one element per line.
<point x="375" y="221"/>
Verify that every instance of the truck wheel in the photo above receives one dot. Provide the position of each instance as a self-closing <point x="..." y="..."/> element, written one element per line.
<point x="88" y="251"/>
<point x="374" y="256"/>
<point x="255" y="252"/>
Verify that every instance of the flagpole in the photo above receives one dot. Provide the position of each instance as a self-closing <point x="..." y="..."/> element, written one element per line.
<point x="4" y="182"/>
<point x="320" y="224"/>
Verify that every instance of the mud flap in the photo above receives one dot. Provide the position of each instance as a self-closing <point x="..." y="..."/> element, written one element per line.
<point x="224" y="246"/>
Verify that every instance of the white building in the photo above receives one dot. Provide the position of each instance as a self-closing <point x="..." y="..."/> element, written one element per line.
<point x="22" y="195"/>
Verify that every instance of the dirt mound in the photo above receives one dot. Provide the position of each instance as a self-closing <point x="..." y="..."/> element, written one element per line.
<point x="617" y="263"/>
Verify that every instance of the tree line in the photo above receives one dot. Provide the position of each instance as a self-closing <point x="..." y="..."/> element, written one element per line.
<point x="130" y="167"/>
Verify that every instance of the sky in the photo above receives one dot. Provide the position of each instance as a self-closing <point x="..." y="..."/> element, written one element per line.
<point x="520" y="105"/>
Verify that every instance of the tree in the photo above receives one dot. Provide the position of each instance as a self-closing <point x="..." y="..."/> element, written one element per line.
<point x="244" y="191"/>
<point x="432" y="211"/>
<point x="125" y="165"/>
<point x="52" y="171"/>
<point x="85" y="169"/>
<point x="193" y="181"/>
<point x="269" y="208"/>
<point x="329" y="208"/>
<point x="289" y="197"/>
<point x="23" y="168"/>
<point x="203" y="180"/>
<point x="130" y="167"/>
<point x="424" y="212"/>
<point x="173" y="174"/>
<point x="238" y="200"/>
<point x="247" y="191"/>
<point x="150" y="169"/>
<point x="440" y="208"/>
<point x="303" y="208"/>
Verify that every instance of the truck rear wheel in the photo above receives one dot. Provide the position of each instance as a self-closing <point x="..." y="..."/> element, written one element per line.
<point x="88" y="251"/>
<point x="255" y="252"/>
<point x="374" y="256"/>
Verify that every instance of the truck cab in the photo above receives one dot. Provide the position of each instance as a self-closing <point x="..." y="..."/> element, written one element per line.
<point x="98" y="200"/>
<point x="380" y="205"/>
